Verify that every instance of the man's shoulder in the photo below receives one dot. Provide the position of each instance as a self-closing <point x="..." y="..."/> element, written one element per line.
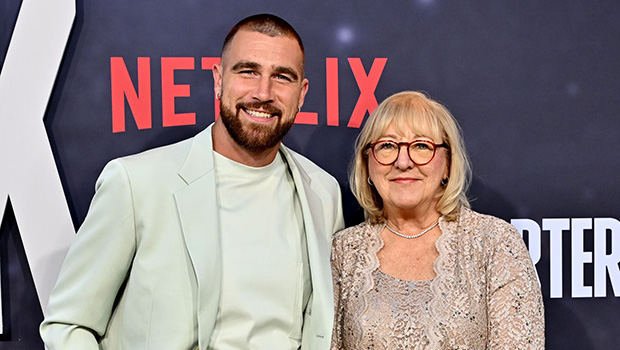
<point x="156" y="155"/>
<point x="155" y="165"/>
<point x="160" y="158"/>
<point x="306" y="164"/>
<point x="318" y="177"/>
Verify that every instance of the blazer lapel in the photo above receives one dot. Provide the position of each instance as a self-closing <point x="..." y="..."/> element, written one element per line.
<point x="319" y="247"/>
<point x="198" y="213"/>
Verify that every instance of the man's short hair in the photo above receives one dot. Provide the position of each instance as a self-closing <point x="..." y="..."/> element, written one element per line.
<point x="267" y="24"/>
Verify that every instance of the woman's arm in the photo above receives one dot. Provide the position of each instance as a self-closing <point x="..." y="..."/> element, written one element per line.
<point x="336" y="259"/>
<point x="514" y="301"/>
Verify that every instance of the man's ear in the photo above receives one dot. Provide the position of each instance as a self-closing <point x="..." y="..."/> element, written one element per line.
<point x="217" y="79"/>
<point x="302" y="94"/>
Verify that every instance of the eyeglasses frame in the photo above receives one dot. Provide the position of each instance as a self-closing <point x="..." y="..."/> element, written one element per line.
<point x="408" y="144"/>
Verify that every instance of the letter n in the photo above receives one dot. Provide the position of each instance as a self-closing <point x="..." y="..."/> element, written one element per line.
<point x="122" y="87"/>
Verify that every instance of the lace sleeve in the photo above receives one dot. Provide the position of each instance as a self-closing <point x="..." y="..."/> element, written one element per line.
<point x="336" y="261"/>
<point x="515" y="307"/>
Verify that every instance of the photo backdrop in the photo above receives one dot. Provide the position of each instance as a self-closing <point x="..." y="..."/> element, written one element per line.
<point x="534" y="86"/>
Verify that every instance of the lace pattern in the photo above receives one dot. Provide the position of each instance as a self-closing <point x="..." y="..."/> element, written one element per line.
<point x="485" y="295"/>
<point x="400" y="305"/>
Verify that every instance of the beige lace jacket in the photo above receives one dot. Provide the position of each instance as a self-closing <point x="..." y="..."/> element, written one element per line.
<point x="486" y="293"/>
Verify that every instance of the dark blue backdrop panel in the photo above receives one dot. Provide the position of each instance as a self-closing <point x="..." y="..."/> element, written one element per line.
<point x="8" y="16"/>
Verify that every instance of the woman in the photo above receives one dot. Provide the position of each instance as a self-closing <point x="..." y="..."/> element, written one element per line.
<point x="424" y="271"/>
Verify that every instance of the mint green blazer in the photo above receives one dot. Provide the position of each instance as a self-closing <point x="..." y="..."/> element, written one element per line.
<point x="144" y="270"/>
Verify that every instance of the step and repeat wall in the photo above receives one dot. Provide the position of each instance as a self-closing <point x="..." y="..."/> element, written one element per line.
<point x="533" y="84"/>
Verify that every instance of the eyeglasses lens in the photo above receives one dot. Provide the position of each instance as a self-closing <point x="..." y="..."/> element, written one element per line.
<point x="421" y="152"/>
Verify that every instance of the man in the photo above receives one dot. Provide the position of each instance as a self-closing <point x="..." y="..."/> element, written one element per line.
<point x="221" y="241"/>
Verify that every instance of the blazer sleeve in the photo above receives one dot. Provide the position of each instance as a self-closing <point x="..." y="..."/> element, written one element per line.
<point x="515" y="305"/>
<point x="95" y="268"/>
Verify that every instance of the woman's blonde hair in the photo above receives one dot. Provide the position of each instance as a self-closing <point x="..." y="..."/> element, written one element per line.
<point x="410" y="110"/>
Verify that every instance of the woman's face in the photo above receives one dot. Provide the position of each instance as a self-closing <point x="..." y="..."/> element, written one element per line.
<point x="404" y="185"/>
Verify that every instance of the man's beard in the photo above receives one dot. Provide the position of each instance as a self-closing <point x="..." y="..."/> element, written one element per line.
<point x="253" y="136"/>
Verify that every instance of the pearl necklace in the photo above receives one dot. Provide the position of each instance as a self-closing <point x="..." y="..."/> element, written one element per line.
<point x="412" y="236"/>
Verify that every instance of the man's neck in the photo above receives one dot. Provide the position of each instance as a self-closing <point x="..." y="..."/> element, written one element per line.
<point x="224" y="144"/>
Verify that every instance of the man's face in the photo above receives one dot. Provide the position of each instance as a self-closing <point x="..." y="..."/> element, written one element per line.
<point x="262" y="86"/>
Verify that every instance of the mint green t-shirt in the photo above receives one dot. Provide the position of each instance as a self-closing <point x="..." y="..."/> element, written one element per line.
<point x="265" y="272"/>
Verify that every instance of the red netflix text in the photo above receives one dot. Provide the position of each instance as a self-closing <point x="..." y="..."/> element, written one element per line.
<point x="138" y="94"/>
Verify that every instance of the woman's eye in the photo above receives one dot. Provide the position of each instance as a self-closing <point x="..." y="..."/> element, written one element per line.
<point x="386" y="146"/>
<point x="422" y="146"/>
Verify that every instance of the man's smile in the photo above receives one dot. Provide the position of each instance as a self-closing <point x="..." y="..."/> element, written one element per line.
<point x="258" y="114"/>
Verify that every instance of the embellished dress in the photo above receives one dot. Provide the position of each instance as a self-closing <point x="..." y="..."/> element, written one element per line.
<point x="485" y="295"/>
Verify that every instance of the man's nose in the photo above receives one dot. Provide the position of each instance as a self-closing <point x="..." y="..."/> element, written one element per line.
<point x="263" y="91"/>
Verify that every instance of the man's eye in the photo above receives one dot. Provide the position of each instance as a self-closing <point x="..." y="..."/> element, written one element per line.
<point x="283" y="77"/>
